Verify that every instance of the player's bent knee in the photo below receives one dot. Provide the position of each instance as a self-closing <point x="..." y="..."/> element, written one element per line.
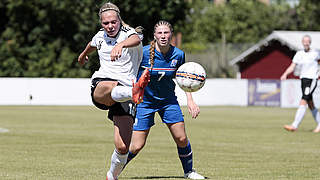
<point x="136" y="148"/>
<point x="182" y="141"/>
<point x="122" y="149"/>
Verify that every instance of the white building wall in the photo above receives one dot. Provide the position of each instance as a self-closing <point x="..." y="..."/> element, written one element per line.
<point x="68" y="91"/>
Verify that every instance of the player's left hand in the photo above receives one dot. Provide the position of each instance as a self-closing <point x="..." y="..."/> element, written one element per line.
<point x="116" y="52"/>
<point x="194" y="109"/>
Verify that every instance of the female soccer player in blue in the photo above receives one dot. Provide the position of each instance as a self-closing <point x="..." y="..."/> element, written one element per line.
<point x="163" y="60"/>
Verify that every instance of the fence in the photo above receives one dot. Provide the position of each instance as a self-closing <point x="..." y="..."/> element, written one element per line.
<point x="216" y="92"/>
<point x="216" y="57"/>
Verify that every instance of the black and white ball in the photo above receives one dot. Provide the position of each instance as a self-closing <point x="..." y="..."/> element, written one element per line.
<point x="191" y="76"/>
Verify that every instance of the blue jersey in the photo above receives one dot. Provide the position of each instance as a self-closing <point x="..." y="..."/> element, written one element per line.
<point x="161" y="86"/>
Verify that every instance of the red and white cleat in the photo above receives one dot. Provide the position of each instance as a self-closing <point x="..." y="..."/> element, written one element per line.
<point x="138" y="87"/>
<point x="289" y="128"/>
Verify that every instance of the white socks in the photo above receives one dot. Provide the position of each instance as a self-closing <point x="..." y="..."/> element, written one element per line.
<point x="121" y="93"/>
<point x="299" y="115"/>
<point x="316" y="115"/>
<point x="117" y="162"/>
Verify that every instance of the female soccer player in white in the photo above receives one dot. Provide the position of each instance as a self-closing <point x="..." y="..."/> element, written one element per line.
<point x="120" y="52"/>
<point x="307" y="60"/>
<point x="163" y="61"/>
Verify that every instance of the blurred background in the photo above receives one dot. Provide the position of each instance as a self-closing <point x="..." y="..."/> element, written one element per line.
<point x="44" y="38"/>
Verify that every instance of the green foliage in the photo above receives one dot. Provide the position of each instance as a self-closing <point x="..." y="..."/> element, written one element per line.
<point x="308" y="15"/>
<point x="236" y="22"/>
<point x="147" y="13"/>
<point x="44" y="38"/>
<point x="194" y="47"/>
<point x="239" y="21"/>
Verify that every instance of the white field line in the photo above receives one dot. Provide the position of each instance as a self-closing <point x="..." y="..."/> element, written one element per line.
<point x="3" y="130"/>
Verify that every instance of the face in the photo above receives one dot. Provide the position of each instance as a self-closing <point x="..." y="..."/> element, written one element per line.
<point x="162" y="35"/>
<point x="306" y="41"/>
<point x="110" y="22"/>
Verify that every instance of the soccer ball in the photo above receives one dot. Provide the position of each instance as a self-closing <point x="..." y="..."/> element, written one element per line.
<point x="191" y="76"/>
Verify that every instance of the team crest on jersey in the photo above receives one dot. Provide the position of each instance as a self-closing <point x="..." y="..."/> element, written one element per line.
<point x="173" y="63"/>
<point x="99" y="45"/>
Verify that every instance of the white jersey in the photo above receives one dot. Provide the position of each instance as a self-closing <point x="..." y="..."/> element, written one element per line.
<point x="307" y="62"/>
<point x="124" y="69"/>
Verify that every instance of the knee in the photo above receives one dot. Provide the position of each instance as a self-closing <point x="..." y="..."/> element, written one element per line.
<point x="136" y="148"/>
<point x="182" y="141"/>
<point x="122" y="148"/>
<point x="103" y="96"/>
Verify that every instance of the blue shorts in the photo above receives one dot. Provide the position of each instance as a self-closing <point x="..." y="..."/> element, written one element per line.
<point x="169" y="113"/>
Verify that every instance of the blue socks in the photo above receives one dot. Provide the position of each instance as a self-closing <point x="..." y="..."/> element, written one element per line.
<point x="130" y="157"/>
<point x="185" y="155"/>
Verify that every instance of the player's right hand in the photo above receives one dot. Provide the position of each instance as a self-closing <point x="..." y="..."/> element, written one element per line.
<point x="283" y="77"/>
<point x="82" y="59"/>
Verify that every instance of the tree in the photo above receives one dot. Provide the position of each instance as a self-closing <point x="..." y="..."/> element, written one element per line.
<point x="43" y="38"/>
<point x="308" y="15"/>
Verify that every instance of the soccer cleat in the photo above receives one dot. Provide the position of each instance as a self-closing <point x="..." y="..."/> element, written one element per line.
<point x="108" y="179"/>
<point x="138" y="87"/>
<point x="193" y="175"/>
<point x="110" y="176"/>
<point x="289" y="128"/>
<point x="317" y="129"/>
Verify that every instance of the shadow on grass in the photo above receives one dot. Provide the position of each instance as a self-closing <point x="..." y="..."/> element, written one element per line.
<point x="158" y="177"/>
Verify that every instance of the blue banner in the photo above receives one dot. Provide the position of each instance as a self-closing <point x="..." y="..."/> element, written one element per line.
<point x="263" y="92"/>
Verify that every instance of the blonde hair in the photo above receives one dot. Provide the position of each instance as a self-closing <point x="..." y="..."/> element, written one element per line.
<point x="153" y="42"/>
<point x="111" y="7"/>
<point x="164" y="23"/>
<point x="152" y="52"/>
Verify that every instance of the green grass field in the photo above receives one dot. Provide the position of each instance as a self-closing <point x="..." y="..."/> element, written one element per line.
<point x="76" y="142"/>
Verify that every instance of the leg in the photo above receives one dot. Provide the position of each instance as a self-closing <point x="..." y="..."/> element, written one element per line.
<point x="300" y="113"/>
<point x="122" y="133"/>
<point x="102" y="93"/>
<point x="305" y="87"/>
<point x="106" y="92"/>
<point x="179" y="135"/>
<point x="138" y="141"/>
<point x="122" y="138"/>
<point x="314" y="111"/>
<point x="315" y="114"/>
<point x="143" y="122"/>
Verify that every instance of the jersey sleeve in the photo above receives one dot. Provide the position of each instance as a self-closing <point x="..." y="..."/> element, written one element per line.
<point x="296" y="58"/>
<point x="128" y="30"/>
<point x="182" y="59"/>
<point x="94" y="41"/>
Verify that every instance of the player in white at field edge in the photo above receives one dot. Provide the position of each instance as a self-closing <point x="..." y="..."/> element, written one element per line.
<point x="306" y="61"/>
<point x="163" y="60"/>
<point x="120" y="52"/>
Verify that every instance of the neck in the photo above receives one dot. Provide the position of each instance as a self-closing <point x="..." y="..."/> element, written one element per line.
<point x="162" y="49"/>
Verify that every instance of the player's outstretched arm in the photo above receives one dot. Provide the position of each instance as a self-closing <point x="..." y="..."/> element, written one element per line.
<point x="132" y="41"/>
<point x="289" y="70"/>
<point x="83" y="57"/>
<point x="193" y="108"/>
